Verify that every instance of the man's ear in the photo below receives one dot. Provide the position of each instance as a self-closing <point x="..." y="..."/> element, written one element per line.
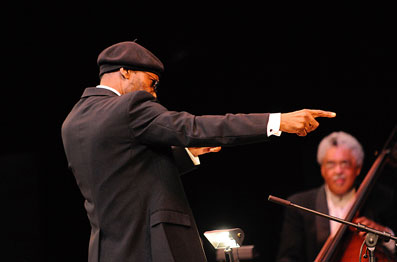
<point x="125" y="73"/>
<point x="358" y="171"/>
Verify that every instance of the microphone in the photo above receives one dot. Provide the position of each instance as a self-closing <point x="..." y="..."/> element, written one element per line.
<point x="278" y="200"/>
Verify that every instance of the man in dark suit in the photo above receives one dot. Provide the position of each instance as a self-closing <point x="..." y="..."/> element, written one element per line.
<point x="340" y="156"/>
<point x="123" y="148"/>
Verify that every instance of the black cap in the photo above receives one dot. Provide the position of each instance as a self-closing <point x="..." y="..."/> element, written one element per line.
<point x="129" y="55"/>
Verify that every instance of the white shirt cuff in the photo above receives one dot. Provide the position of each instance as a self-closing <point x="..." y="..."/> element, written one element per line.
<point x="195" y="159"/>
<point x="273" y="126"/>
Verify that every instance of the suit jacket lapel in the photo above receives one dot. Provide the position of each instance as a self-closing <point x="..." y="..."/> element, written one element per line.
<point x="322" y="224"/>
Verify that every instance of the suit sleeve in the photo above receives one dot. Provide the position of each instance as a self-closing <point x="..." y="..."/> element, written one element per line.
<point x="151" y="123"/>
<point x="183" y="161"/>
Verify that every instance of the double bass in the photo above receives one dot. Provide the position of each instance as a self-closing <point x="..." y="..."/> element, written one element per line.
<point x="346" y="244"/>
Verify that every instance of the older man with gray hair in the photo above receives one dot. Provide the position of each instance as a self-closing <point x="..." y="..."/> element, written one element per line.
<point x="340" y="156"/>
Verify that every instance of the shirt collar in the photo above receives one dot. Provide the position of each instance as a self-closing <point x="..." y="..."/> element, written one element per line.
<point x="109" y="88"/>
<point x="340" y="200"/>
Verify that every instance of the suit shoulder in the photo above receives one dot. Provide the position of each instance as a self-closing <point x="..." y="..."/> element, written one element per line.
<point x="305" y="197"/>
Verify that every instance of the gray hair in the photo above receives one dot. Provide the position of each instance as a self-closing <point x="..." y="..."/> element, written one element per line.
<point x="340" y="139"/>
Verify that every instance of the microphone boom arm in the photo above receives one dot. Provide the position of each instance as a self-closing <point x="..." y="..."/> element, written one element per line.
<point x="386" y="236"/>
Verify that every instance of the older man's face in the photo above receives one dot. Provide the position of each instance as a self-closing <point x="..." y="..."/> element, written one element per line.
<point x="339" y="170"/>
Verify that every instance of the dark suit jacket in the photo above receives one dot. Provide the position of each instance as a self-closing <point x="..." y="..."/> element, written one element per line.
<point x="119" y="149"/>
<point x="303" y="234"/>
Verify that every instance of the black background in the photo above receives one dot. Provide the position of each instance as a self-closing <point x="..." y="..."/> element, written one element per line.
<point x="225" y="58"/>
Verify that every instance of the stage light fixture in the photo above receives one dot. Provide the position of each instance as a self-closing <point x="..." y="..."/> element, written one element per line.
<point x="226" y="239"/>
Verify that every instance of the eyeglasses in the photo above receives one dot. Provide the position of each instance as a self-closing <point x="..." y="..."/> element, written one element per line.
<point x="155" y="83"/>
<point x="343" y="164"/>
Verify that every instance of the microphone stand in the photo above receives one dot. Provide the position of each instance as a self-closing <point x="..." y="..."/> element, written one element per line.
<point x="371" y="238"/>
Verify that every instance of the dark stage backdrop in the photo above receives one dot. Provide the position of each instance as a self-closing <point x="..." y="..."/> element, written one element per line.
<point x="226" y="59"/>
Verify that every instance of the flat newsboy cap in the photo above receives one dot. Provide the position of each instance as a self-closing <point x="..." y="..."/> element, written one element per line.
<point x="129" y="55"/>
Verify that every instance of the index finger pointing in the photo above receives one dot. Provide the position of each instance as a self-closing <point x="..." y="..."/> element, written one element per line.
<point x="215" y="149"/>
<point x="322" y="113"/>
